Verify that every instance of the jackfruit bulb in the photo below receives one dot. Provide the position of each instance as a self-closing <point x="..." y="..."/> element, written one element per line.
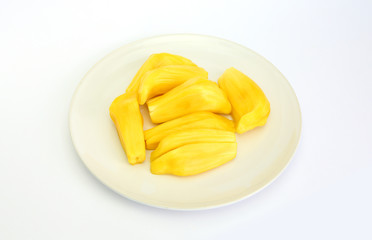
<point x="194" y="95"/>
<point x="250" y="107"/>
<point x="153" y="62"/>
<point x="163" y="79"/>
<point x="126" y="115"/>
<point x="197" y="120"/>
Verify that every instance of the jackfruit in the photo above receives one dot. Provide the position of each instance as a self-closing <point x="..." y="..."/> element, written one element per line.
<point x="163" y="79"/>
<point x="153" y="62"/>
<point x="197" y="120"/>
<point x="126" y="115"/>
<point x="250" y="107"/>
<point x="192" y="159"/>
<point x="194" y="95"/>
<point x="188" y="136"/>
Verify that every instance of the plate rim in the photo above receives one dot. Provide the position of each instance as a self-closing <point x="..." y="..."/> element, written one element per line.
<point x="293" y="151"/>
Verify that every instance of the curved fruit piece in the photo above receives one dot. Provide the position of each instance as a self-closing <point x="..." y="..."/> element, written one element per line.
<point x="195" y="120"/>
<point x="163" y="79"/>
<point x="194" y="95"/>
<point x="192" y="159"/>
<point x="250" y="107"/>
<point x="126" y="115"/>
<point x="189" y="136"/>
<point x="153" y="62"/>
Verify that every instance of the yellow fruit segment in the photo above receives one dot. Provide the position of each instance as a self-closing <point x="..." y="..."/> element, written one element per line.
<point x="126" y="115"/>
<point x="192" y="159"/>
<point x="163" y="79"/>
<point x="188" y="136"/>
<point x="153" y="62"/>
<point x="250" y="107"/>
<point x="194" y="95"/>
<point x="197" y="120"/>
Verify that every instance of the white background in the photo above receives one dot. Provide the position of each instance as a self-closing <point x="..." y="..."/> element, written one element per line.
<point x="324" y="48"/>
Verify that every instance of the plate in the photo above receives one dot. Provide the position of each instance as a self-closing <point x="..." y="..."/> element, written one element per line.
<point x="262" y="155"/>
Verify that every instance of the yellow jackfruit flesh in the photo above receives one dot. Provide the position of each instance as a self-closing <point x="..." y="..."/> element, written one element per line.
<point x="197" y="120"/>
<point x="126" y="115"/>
<point x="163" y="79"/>
<point x="194" y="95"/>
<point x="192" y="159"/>
<point x="250" y="107"/>
<point x="190" y="136"/>
<point x="153" y="62"/>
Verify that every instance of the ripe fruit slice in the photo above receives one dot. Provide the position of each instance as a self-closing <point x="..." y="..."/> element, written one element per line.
<point x="188" y="136"/>
<point x="197" y="120"/>
<point x="153" y="62"/>
<point x="194" y="95"/>
<point x="125" y="113"/>
<point x="163" y="79"/>
<point x="250" y="107"/>
<point x="192" y="159"/>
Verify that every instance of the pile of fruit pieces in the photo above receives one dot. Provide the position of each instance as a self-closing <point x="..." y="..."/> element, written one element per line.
<point x="191" y="137"/>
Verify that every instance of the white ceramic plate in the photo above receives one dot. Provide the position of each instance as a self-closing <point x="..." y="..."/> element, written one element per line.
<point x="262" y="153"/>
